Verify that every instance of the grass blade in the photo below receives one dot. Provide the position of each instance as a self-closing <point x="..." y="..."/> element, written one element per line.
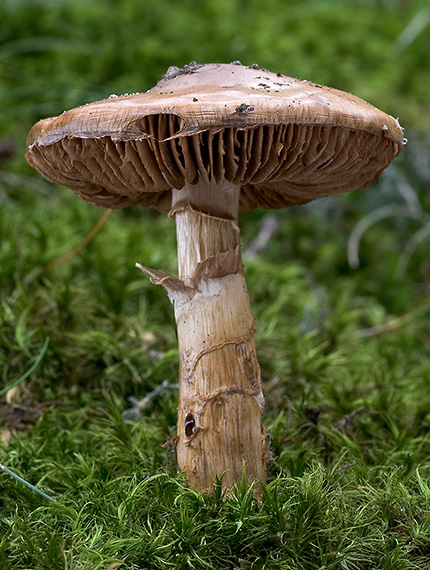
<point x="29" y="371"/>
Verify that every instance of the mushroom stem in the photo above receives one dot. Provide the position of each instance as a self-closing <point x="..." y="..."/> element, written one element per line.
<point x="220" y="398"/>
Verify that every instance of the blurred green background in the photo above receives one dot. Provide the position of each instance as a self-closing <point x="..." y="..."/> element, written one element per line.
<point x="56" y="54"/>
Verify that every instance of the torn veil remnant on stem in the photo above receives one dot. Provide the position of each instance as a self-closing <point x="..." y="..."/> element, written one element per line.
<point x="205" y="143"/>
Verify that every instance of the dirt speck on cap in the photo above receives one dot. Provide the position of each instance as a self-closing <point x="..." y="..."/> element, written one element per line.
<point x="243" y="109"/>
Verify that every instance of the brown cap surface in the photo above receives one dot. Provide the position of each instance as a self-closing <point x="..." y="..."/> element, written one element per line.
<point x="283" y="140"/>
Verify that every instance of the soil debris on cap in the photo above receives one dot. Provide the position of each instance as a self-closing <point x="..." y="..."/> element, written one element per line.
<point x="174" y="71"/>
<point x="243" y="109"/>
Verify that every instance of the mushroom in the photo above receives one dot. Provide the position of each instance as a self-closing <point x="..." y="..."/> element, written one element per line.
<point x="207" y="142"/>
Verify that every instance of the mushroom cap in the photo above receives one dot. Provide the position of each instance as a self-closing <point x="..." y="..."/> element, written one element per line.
<point x="284" y="141"/>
